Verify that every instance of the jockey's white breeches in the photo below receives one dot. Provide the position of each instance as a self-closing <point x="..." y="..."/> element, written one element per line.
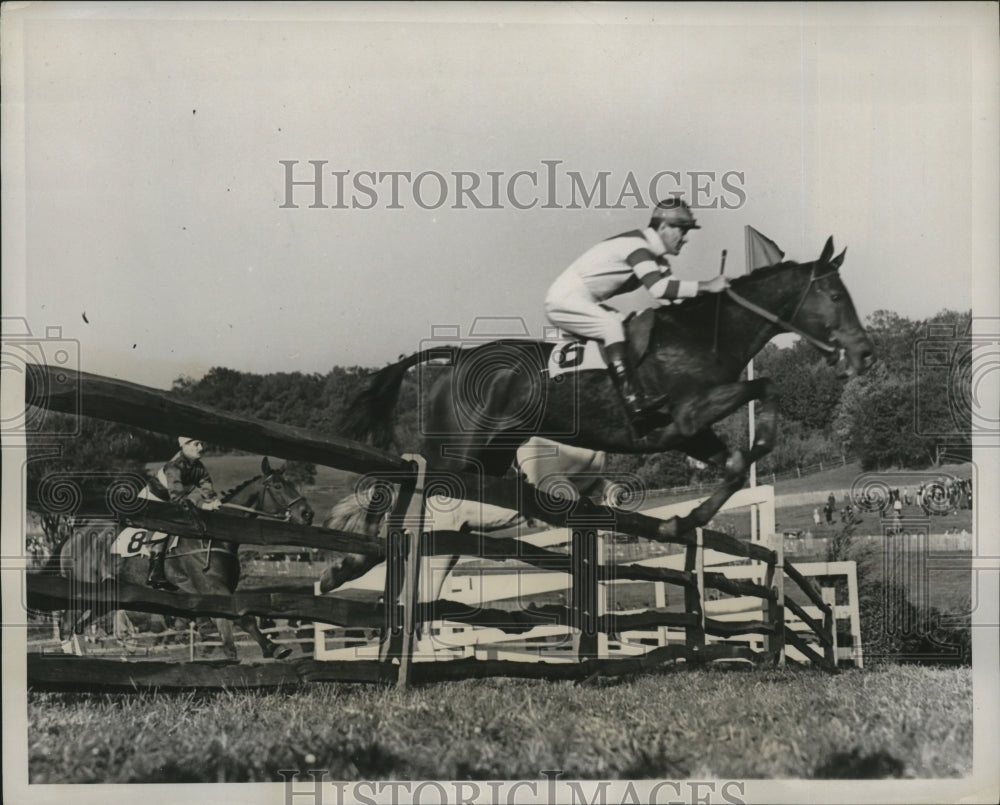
<point x="571" y="306"/>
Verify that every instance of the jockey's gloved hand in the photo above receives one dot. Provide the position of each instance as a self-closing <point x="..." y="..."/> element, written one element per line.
<point x="211" y="505"/>
<point x="714" y="285"/>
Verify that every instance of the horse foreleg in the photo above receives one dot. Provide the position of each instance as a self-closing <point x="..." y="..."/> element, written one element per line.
<point x="767" y="425"/>
<point x="736" y="469"/>
<point x="248" y="623"/>
<point x="225" y="628"/>
<point x="706" y="446"/>
<point x="698" y="411"/>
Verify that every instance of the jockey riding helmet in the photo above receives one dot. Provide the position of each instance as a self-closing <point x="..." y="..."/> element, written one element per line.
<point x="675" y="212"/>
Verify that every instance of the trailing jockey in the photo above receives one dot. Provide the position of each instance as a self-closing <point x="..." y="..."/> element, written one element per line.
<point x="182" y="476"/>
<point x="616" y="266"/>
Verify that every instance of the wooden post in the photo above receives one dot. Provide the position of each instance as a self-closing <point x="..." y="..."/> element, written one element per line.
<point x="660" y="591"/>
<point x="412" y="526"/>
<point x="396" y="568"/>
<point x="857" y="652"/>
<point x="602" y="590"/>
<point x="774" y="611"/>
<point x="830" y="623"/>
<point x="694" y="600"/>
<point x="584" y="591"/>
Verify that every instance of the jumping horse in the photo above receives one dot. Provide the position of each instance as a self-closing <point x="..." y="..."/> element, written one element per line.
<point x="196" y="566"/>
<point x="492" y="397"/>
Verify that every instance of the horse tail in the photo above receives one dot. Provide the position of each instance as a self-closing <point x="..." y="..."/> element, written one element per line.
<point x="370" y="413"/>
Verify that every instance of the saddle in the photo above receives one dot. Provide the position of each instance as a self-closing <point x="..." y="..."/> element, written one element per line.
<point x="574" y="354"/>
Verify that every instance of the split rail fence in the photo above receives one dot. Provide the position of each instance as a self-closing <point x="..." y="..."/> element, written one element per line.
<point x="796" y="619"/>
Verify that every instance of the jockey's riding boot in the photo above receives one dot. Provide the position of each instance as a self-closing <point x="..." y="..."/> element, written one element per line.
<point x="642" y="415"/>
<point x="157" y="577"/>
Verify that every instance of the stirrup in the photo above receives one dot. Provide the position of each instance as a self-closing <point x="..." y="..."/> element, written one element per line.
<point x="163" y="584"/>
<point x="157" y="579"/>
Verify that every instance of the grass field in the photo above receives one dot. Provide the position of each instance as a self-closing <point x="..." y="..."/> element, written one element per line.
<point x="885" y="721"/>
<point x="890" y="722"/>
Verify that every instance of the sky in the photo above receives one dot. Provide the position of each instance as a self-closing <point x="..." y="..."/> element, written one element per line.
<point x="161" y="236"/>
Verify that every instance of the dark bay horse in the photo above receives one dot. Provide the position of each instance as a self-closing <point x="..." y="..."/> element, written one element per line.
<point x="494" y="396"/>
<point x="194" y="565"/>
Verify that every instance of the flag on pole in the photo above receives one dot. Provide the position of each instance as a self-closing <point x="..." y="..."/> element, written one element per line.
<point x="761" y="251"/>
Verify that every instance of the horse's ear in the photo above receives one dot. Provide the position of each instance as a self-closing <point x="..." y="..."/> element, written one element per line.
<point x="827" y="251"/>
<point x="265" y="466"/>
<point x="838" y="261"/>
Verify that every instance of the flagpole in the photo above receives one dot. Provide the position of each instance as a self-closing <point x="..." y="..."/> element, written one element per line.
<point x="752" y="423"/>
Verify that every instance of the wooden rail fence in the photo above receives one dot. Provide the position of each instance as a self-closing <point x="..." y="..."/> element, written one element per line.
<point x="410" y="541"/>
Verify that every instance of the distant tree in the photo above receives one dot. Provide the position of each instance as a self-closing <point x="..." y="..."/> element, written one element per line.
<point x="656" y="471"/>
<point x="916" y="399"/>
<point x="808" y="389"/>
<point x="300" y="472"/>
<point x="876" y="422"/>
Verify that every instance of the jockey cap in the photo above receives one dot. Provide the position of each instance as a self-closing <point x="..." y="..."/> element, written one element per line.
<point x="183" y="440"/>
<point x="675" y="212"/>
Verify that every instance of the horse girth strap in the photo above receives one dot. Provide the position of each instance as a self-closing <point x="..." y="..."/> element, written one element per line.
<point x="785" y="325"/>
<point x="207" y="548"/>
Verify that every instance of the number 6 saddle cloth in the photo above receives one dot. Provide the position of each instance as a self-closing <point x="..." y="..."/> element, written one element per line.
<point x="572" y="354"/>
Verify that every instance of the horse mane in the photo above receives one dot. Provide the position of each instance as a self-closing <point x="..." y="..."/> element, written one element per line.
<point x="349" y="515"/>
<point x="227" y="496"/>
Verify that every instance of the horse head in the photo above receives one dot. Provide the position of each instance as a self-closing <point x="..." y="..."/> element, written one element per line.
<point x="272" y="494"/>
<point x="827" y="313"/>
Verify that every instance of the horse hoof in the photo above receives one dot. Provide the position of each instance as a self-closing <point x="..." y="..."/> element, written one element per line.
<point x="281" y="653"/>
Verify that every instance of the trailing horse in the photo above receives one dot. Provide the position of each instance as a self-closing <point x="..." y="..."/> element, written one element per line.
<point x="194" y="565"/>
<point x="492" y="397"/>
<point x="556" y="469"/>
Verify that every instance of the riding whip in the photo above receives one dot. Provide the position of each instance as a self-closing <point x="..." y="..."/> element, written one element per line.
<point x="718" y="302"/>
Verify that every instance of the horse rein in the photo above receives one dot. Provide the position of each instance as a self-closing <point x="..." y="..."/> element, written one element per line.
<point x="287" y="515"/>
<point x="823" y="346"/>
<point x="281" y="517"/>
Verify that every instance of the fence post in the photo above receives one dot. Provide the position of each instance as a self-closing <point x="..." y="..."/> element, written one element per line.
<point x="694" y="600"/>
<point x="774" y="611"/>
<point x="660" y="591"/>
<point x="406" y="517"/>
<point x="830" y="623"/>
<point x="413" y="527"/>
<point x="584" y="591"/>
<point x="602" y="611"/>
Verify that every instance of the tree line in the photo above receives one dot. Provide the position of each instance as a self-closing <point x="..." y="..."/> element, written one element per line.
<point x="911" y="410"/>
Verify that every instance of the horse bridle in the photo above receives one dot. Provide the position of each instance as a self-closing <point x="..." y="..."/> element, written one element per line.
<point x="823" y="346"/>
<point x="282" y="517"/>
<point x="285" y="516"/>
